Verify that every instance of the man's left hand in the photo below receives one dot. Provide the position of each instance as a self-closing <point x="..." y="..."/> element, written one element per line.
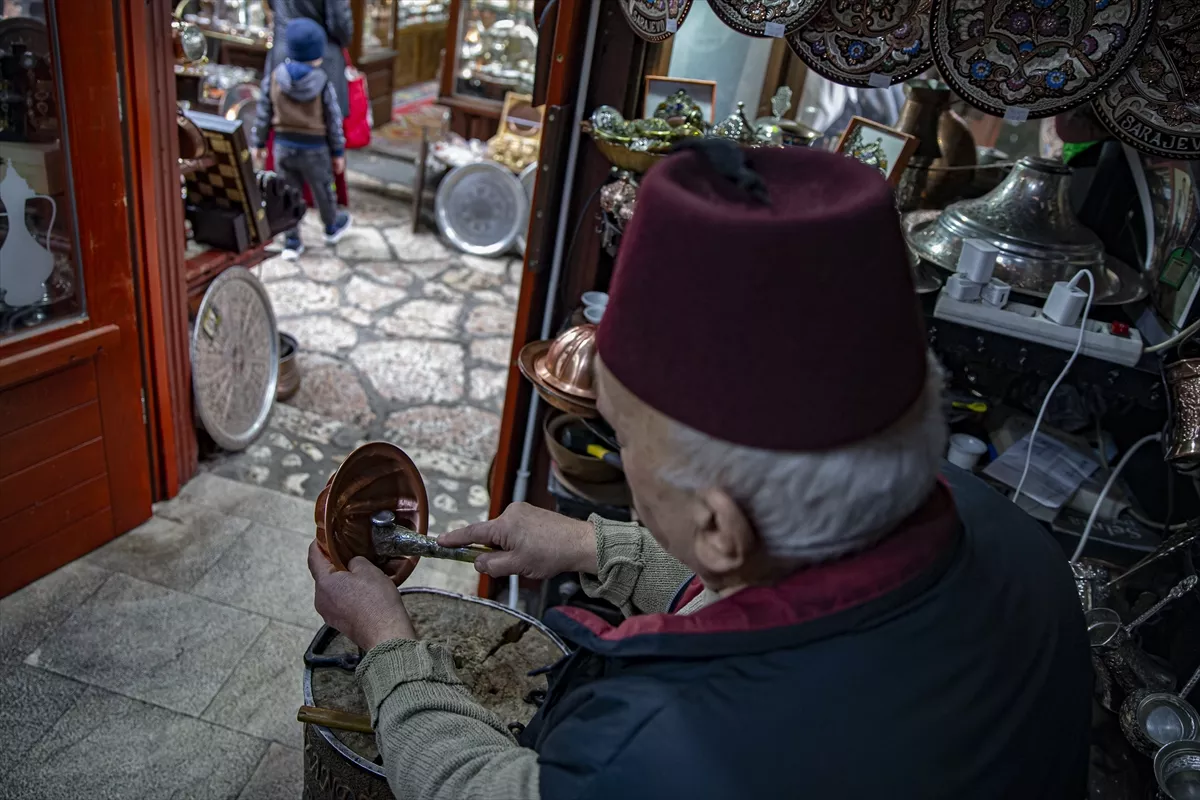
<point x="363" y="603"/>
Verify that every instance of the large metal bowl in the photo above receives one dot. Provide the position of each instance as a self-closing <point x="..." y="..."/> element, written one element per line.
<point x="1029" y="220"/>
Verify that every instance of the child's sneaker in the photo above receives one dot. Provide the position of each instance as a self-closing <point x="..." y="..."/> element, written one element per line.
<point x="293" y="248"/>
<point x="335" y="232"/>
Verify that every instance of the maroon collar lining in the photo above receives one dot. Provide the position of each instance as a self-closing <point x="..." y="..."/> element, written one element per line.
<point x="811" y="593"/>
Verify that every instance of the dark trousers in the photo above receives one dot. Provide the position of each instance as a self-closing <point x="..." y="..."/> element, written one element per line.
<point x="313" y="167"/>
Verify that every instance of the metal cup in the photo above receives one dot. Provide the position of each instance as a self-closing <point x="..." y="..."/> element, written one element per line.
<point x="1182" y="437"/>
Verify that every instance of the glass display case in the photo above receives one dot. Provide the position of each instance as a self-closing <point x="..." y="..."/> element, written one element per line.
<point x="378" y="26"/>
<point x="421" y="12"/>
<point x="240" y="20"/>
<point x="497" y="49"/>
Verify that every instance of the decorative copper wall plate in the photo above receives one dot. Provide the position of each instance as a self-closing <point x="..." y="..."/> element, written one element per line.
<point x="849" y="41"/>
<point x="649" y="18"/>
<point x="1154" y="106"/>
<point x="1040" y="56"/>
<point x="753" y="17"/>
<point x="375" y="477"/>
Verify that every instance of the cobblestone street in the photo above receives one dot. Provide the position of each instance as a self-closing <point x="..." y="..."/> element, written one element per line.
<point x="401" y="338"/>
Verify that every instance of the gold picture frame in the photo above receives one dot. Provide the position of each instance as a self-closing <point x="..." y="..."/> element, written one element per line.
<point x="658" y="88"/>
<point x="879" y="146"/>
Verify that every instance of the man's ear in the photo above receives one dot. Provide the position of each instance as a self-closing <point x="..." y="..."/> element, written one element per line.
<point x="725" y="539"/>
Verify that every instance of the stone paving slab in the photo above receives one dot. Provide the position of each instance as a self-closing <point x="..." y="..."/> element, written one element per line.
<point x="265" y="572"/>
<point x="28" y="616"/>
<point x="109" y="747"/>
<point x="31" y="701"/>
<point x="154" y="644"/>
<point x="279" y="776"/>
<point x="265" y="689"/>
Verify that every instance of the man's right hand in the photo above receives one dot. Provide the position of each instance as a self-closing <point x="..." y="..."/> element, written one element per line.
<point x="534" y="543"/>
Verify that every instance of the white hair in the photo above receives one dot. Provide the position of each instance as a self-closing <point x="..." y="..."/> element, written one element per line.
<point x="816" y="506"/>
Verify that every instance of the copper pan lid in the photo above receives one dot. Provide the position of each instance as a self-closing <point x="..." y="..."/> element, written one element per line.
<point x="567" y="365"/>
<point x="527" y="360"/>
<point x="375" y="477"/>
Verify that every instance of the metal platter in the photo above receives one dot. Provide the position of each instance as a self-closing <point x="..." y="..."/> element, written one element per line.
<point x="1155" y="105"/>
<point x="762" y="17"/>
<point x="863" y="44"/>
<point x="1127" y="284"/>
<point x="1036" y="57"/>
<point x="481" y="208"/>
<point x="528" y="178"/>
<point x="649" y="18"/>
<point x="235" y="359"/>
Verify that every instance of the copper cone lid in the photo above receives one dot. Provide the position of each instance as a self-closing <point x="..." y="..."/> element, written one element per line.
<point x="375" y="477"/>
<point x="567" y="365"/>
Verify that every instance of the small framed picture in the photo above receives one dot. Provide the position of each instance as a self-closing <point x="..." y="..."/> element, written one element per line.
<point x="660" y="87"/>
<point x="878" y="146"/>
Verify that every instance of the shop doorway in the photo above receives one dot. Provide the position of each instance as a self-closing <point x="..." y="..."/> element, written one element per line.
<point x="74" y="459"/>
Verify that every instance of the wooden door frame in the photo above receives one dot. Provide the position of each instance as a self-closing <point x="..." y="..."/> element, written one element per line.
<point x="150" y="91"/>
<point x="617" y="66"/>
<point x="94" y="134"/>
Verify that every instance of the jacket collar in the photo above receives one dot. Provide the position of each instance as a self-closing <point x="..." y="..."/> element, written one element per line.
<point x="814" y="602"/>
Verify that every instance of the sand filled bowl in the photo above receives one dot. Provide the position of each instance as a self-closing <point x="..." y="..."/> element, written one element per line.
<point x="494" y="649"/>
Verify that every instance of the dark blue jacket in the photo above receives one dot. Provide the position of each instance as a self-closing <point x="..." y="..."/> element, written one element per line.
<point x="950" y="661"/>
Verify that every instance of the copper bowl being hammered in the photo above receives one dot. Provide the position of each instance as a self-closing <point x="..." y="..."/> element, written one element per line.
<point x="375" y="477"/>
<point x="567" y="365"/>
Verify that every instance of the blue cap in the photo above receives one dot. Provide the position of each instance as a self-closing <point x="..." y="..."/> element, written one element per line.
<point x="305" y="40"/>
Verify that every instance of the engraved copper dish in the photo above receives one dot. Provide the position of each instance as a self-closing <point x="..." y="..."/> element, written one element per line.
<point x="1182" y="439"/>
<point x="1028" y="218"/>
<point x="374" y="477"/>
<point x="567" y="364"/>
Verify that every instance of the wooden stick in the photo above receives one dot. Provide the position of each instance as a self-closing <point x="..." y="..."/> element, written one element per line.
<point x="328" y="718"/>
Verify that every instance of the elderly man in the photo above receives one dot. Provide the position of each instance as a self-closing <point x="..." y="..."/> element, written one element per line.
<point x="811" y="611"/>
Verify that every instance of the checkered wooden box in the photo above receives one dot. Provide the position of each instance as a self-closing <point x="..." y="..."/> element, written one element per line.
<point x="229" y="182"/>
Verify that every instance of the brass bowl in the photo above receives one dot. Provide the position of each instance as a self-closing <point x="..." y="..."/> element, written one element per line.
<point x="375" y="477"/>
<point x="572" y="464"/>
<point x="567" y="365"/>
<point x="619" y="155"/>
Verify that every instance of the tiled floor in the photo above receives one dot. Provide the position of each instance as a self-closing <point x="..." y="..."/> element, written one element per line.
<point x="402" y="339"/>
<point x="168" y="663"/>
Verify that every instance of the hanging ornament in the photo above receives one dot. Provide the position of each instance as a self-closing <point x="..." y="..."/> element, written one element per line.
<point x="1155" y="106"/>
<point x="1025" y="59"/>
<point x="867" y="44"/>
<point x="655" y="20"/>
<point x="767" y="18"/>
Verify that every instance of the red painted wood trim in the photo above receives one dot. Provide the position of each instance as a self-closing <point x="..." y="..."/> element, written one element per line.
<point x="57" y="355"/>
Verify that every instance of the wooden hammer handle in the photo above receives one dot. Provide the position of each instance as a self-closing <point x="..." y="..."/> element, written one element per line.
<point x="328" y="718"/>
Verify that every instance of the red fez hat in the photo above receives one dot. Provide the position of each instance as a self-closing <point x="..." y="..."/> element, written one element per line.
<point x="783" y="323"/>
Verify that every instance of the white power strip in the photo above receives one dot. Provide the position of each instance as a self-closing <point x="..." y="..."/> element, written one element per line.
<point x="1026" y="322"/>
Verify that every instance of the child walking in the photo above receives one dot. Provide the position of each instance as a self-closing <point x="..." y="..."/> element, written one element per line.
<point x="300" y="105"/>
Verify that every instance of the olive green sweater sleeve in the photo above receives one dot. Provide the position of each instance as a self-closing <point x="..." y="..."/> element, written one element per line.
<point x="635" y="574"/>
<point x="437" y="742"/>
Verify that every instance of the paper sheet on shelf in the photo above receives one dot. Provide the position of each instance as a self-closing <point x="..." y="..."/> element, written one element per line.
<point x="1055" y="471"/>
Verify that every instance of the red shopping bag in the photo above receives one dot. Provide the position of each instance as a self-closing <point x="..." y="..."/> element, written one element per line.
<point x="357" y="124"/>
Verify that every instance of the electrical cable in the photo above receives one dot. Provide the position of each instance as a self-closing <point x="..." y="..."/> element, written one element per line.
<point x="1159" y="526"/>
<point x="1074" y="354"/>
<point x="1112" y="478"/>
<point x="1178" y="338"/>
